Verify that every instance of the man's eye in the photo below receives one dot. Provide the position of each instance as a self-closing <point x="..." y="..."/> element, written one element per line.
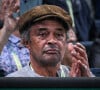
<point x="59" y="35"/>
<point x="42" y="34"/>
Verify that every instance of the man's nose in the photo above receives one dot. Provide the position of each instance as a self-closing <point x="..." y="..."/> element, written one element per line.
<point x="52" y="39"/>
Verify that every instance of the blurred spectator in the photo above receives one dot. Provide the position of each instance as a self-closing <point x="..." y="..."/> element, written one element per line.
<point x="96" y="5"/>
<point x="67" y="60"/>
<point x="94" y="56"/>
<point x="28" y="4"/>
<point x="84" y="24"/>
<point x="1" y="19"/>
<point x="14" y="55"/>
<point x="91" y="7"/>
<point x="63" y="4"/>
<point x="96" y="71"/>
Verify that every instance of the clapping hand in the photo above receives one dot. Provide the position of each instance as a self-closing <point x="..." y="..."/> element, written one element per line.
<point x="80" y="66"/>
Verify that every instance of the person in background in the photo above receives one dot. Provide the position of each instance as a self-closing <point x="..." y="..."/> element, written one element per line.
<point x="28" y="4"/>
<point x="43" y="31"/>
<point x="96" y="7"/>
<point x="83" y="23"/>
<point x="63" y="4"/>
<point x="13" y="55"/>
<point x="71" y="40"/>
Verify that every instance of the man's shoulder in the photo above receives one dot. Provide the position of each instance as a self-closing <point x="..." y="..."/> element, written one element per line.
<point x="24" y="72"/>
<point x="20" y="73"/>
<point x="27" y="72"/>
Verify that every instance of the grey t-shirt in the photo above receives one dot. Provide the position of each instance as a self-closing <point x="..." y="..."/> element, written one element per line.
<point x="28" y="72"/>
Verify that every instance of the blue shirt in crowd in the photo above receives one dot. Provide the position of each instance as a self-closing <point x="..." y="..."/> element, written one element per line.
<point x="13" y="57"/>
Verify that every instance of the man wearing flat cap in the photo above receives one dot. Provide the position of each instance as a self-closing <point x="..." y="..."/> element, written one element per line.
<point x="44" y="31"/>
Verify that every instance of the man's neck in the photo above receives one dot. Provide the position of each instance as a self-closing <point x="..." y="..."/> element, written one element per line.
<point x="47" y="71"/>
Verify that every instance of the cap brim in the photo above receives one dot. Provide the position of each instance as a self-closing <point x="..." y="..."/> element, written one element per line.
<point x="50" y="16"/>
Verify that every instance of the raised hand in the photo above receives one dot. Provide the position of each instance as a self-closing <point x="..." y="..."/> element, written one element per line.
<point x="9" y="22"/>
<point x="80" y="66"/>
<point x="8" y="8"/>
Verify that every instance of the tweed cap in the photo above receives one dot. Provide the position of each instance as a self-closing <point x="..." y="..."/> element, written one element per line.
<point x="42" y="12"/>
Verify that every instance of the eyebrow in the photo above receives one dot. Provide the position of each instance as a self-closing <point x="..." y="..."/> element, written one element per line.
<point x="58" y="29"/>
<point x="42" y="29"/>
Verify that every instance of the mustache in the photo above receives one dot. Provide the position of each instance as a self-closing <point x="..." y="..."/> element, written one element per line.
<point x="51" y="48"/>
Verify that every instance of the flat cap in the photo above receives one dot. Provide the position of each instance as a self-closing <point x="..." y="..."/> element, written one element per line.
<point x="42" y="12"/>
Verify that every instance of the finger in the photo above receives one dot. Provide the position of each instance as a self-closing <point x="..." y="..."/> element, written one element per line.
<point x="81" y="51"/>
<point x="4" y="5"/>
<point x="70" y="46"/>
<point x="75" y="70"/>
<point x="16" y="5"/>
<point x="76" y="56"/>
<point x="81" y="46"/>
<point x="84" y="68"/>
<point x="79" y="54"/>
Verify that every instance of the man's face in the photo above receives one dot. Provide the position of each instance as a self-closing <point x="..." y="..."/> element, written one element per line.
<point x="47" y="42"/>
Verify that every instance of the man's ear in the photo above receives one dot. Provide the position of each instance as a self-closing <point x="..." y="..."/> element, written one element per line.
<point x="25" y="43"/>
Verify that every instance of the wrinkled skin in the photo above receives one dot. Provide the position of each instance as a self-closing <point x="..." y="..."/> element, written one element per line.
<point x="47" y="45"/>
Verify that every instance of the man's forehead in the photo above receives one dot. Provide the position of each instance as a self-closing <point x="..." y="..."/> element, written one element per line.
<point x="52" y="24"/>
<point x="48" y="22"/>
